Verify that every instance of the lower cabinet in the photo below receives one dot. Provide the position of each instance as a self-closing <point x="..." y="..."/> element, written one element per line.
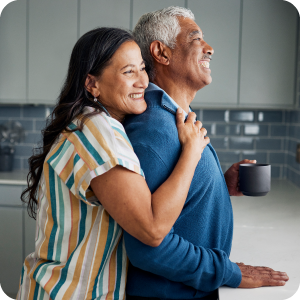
<point x="17" y="237"/>
<point x="11" y="248"/>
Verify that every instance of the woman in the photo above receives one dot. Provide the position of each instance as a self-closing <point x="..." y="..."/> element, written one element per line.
<point x="87" y="182"/>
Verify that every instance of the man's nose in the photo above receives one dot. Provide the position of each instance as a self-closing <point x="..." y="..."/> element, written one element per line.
<point x="208" y="49"/>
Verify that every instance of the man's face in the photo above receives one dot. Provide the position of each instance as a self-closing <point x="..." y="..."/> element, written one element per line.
<point x="191" y="56"/>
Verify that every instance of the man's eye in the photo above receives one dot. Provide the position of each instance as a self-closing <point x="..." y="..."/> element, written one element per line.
<point x="198" y="39"/>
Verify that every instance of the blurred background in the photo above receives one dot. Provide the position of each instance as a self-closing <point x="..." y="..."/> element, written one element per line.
<point x="251" y="109"/>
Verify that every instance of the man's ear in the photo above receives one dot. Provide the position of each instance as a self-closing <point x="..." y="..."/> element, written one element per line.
<point x="160" y="52"/>
<point x="90" y="85"/>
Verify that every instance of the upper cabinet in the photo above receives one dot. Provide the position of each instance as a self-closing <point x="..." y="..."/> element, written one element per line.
<point x="254" y="42"/>
<point x="141" y="7"/>
<point x="268" y="53"/>
<point x="13" y="53"/>
<point x="52" y="36"/>
<point x="97" y="13"/>
<point x="220" y="23"/>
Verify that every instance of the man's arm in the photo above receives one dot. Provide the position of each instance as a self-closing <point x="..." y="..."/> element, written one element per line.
<point x="179" y="260"/>
<point x="175" y="258"/>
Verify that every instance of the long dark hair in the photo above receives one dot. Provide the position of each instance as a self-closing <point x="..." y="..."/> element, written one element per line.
<point x="91" y="55"/>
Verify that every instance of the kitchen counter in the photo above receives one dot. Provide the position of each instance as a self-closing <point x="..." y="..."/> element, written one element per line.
<point x="267" y="233"/>
<point x="14" y="178"/>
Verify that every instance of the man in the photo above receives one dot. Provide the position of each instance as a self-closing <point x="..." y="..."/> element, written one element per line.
<point x="193" y="259"/>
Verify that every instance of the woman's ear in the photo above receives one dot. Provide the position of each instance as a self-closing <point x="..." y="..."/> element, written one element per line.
<point x="90" y="85"/>
<point x="160" y="52"/>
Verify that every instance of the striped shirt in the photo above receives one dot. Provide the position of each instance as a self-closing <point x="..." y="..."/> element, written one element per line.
<point x="79" y="249"/>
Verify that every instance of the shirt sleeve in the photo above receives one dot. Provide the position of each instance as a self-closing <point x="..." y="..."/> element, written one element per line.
<point x="176" y="258"/>
<point x="80" y="156"/>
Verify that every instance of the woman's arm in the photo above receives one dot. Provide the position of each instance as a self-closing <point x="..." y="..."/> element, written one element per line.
<point x="127" y="198"/>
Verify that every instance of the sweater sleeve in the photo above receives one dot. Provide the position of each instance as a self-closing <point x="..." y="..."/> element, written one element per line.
<point x="176" y="258"/>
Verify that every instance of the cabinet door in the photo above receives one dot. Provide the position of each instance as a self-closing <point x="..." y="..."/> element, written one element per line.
<point x="13" y="53"/>
<point x="11" y="259"/>
<point x="10" y="195"/>
<point x="52" y="36"/>
<point x="29" y="238"/>
<point x="141" y="7"/>
<point x="220" y="23"/>
<point x="97" y="13"/>
<point x="268" y="53"/>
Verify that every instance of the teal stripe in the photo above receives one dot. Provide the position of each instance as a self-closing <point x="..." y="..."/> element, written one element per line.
<point x="42" y="294"/>
<point x="115" y="123"/>
<point x="64" y="271"/>
<point x="44" y="267"/>
<point x="124" y="135"/>
<point x="131" y="158"/>
<point x="119" y="269"/>
<point x="62" y="152"/>
<point x="56" y="153"/>
<point x="22" y="275"/>
<point x="61" y="220"/>
<point x="70" y="181"/>
<point x="36" y="291"/>
<point x="54" y="213"/>
<point x="90" y="148"/>
<point x="76" y="159"/>
<point x="99" y="277"/>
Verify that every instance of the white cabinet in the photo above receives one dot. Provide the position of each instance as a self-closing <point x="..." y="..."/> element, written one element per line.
<point x="13" y="53"/>
<point x="220" y="23"/>
<point x="29" y="233"/>
<point x="17" y="236"/>
<point x="11" y="256"/>
<point x="52" y="35"/>
<point x="141" y="7"/>
<point x="268" y="53"/>
<point x="98" y="13"/>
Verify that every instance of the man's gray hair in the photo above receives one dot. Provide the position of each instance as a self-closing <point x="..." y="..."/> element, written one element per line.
<point x="161" y="25"/>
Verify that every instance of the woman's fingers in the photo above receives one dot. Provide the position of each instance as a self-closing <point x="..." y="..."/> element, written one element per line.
<point x="179" y="117"/>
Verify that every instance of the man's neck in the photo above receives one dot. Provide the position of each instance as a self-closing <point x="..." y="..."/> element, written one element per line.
<point x="180" y="93"/>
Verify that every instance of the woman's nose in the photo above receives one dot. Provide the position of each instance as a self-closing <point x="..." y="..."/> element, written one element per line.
<point x="143" y="80"/>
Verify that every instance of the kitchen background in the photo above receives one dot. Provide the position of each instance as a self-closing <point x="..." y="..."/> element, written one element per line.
<point x="251" y="109"/>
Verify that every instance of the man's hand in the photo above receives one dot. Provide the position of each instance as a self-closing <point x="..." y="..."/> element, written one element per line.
<point x="232" y="177"/>
<point x="254" y="277"/>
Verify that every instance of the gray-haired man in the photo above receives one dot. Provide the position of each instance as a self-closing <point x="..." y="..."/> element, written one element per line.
<point x="193" y="259"/>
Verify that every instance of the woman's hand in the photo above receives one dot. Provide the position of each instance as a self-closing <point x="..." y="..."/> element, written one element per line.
<point x="191" y="134"/>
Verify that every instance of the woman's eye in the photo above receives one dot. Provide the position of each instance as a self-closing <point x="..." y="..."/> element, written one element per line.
<point x="128" y="72"/>
<point x="143" y="68"/>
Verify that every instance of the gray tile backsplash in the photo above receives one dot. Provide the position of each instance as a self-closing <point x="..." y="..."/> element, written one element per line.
<point x="32" y="119"/>
<point x="269" y="136"/>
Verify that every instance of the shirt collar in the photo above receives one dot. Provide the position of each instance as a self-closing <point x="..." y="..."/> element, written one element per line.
<point x="166" y="101"/>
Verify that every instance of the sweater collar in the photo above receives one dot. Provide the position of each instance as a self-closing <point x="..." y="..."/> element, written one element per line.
<point x="166" y="101"/>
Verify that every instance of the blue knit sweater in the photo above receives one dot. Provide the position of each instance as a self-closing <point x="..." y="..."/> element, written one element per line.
<point x="193" y="259"/>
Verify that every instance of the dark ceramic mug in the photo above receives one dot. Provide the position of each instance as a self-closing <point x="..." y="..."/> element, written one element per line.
<point x="255" y="179"/>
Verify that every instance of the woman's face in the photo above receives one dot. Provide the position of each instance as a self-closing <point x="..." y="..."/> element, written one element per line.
<point x="123" y="82"/>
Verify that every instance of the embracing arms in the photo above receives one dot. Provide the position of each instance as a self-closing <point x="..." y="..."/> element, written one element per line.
<point x="127" y="198"/>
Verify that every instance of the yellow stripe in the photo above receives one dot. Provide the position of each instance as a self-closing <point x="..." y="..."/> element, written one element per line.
<point x="68" y="169"/>
<point x="48" y="227"/>
<point x="100" y="139"/>
<point x="75" y="223"/>
<point x="98" y="253"/>
<point x="112" y="272"/>
<point x="119" y="135"/>
<point x="79" y="263"/>
<point x="82" y="152"/>
<point x="79" y="174"/>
